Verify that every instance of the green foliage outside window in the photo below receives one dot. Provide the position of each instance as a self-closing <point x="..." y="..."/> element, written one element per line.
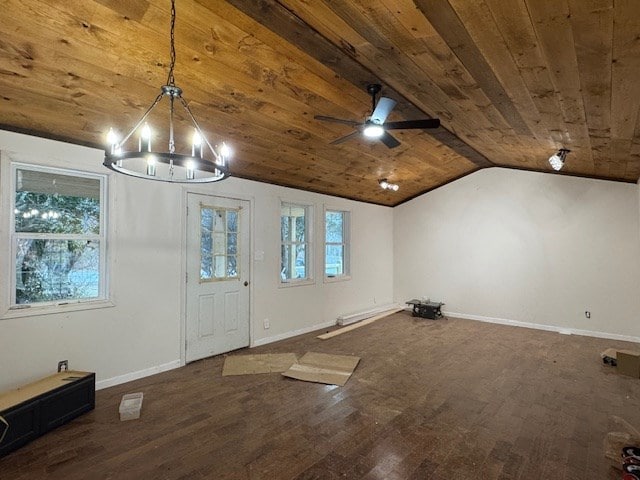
<point x="57" y="239"/>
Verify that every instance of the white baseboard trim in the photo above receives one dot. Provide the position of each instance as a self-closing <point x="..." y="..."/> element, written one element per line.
<point x="540" y="326"/>
<point x="293" y="333"/>
<point x="348" y="318"/>
<point x="128" y="377"/>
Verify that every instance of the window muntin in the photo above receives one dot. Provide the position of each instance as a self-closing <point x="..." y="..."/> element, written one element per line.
<point x="219" y="254"/>
<point x="295" y="258"/>
<point x="336" y="255"/>
<point x="57" y="236"/>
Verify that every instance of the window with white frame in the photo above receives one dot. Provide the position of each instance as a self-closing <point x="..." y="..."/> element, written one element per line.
<point x="295" y="236"/>
<point x="58" y="236"/>
<point x="336" y="243"/>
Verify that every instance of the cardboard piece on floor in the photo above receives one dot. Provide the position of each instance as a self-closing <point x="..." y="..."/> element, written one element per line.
<point x="259" y="363"/>
<point x="323" y="368"/>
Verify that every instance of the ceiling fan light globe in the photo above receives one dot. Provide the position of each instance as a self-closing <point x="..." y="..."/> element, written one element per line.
<point x="373" y="131"/>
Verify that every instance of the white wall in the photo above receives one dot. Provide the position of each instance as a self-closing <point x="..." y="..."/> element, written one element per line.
<point x="506" y="245"/>
<point x="142" y="332"/>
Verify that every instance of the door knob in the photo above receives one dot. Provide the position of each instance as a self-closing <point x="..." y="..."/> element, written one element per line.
<point x="246" y="283"/>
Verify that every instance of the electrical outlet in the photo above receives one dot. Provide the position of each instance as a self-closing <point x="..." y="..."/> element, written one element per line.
<point x="63" y="364"/>
<point x="266" y="323"/>
<point x="587" y="314"/>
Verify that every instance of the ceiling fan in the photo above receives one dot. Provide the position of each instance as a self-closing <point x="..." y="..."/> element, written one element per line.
<point x="374" y="126"/>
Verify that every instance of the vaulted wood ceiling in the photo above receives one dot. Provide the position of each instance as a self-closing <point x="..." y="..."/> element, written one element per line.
<point x="512" y="82"/>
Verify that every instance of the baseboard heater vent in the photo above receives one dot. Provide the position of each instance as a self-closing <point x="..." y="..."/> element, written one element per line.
<point x="349" y="318"/>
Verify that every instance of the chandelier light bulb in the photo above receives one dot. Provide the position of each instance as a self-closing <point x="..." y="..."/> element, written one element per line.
<point x="112" y="139"/>
<point x="151" y="166"/>
<point x="196" y="144"/>
<point x="189" y="165"/>
<point x="145" y="138"/>
<point x="384" y="184"/>
<point x="394" y="187"/>
<point x="225" y="151"/>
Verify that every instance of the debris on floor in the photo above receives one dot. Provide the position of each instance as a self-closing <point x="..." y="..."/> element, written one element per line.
<point x="626" y="361"/>
<point x="130" y="406"/>
<point x="609" y="357"/>
<point x="259" y="363"/>
<point x="623" y="434"/>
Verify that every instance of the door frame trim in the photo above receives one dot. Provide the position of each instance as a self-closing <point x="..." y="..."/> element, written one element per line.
<point x="183" y="260"/>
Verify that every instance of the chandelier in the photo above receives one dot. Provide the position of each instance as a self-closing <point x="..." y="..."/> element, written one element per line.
<point x="168" y="166"/>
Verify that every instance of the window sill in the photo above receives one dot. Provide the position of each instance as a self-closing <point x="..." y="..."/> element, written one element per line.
<point x="337" y="278"/>
<point x="35" y="311"/>
<point x="297" y="283"/>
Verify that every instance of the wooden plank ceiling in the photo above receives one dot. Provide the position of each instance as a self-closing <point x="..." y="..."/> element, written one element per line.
<point x="512" y="82"/>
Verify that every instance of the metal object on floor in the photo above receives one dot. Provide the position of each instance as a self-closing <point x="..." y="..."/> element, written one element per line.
<point x="426" y="309"/>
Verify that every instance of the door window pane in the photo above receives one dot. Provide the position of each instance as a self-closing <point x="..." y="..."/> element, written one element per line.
<point x="218" y="244"/>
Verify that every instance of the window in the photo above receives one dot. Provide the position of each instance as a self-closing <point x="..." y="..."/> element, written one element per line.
<point x="336" y="244"/>
<point x="295" y="259"/>
<point x="57" y="237"/>
<point x="218" y="244"/>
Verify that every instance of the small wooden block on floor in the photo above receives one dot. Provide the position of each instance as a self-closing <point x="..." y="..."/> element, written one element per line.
<point x="362" y="323"/>
<point x="323" y="368"/>
<point x="259" y="363"/>
<point x="628" y="363"/>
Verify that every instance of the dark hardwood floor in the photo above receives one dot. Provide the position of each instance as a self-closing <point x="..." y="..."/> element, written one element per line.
<point x="445" y="399"/>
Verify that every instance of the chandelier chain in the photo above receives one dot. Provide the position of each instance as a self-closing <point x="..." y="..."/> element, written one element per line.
<point x="172" y="62"/>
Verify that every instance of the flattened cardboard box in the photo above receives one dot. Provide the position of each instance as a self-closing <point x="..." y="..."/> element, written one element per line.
<point x="259" y="363"/>
<point x="323" y="368"/>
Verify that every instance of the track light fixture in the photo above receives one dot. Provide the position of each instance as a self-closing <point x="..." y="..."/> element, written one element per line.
<point x="385" y="185"/>
<point x="557" y="159"/>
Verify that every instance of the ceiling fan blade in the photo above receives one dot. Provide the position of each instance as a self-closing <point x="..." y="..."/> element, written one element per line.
<point x="352" y="123"/>
<point x="425" y="123"/>
<point x="389" y="140"/>
<point x="346" y="137"/>
<point x="382" y="110"/>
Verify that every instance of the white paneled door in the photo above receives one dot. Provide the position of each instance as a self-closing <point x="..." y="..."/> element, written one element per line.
<point x="217" y="275"/>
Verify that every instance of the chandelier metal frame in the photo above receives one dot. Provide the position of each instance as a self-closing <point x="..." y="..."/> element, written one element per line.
<point x="182" y="168"/>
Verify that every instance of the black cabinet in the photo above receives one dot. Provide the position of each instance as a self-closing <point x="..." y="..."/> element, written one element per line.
<point x="35" y="409"/>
